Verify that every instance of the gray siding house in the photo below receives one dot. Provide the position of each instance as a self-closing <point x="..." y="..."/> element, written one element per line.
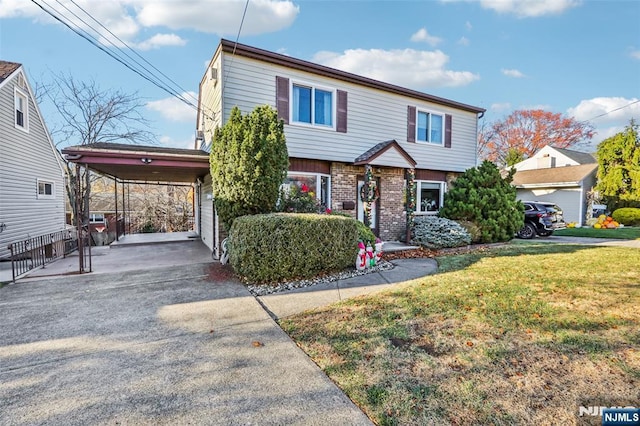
<point x="558" y="175"/>
<point x="338" y="123"/>
<point x="31" y="171"/>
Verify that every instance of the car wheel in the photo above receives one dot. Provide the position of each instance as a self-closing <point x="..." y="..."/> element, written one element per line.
<point x="545" y="233"/>
<point x="527" y="232"/>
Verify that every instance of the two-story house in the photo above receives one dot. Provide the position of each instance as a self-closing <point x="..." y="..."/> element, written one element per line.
<point x="31" y="170"/>
<point x="562" y="176"/>
<point x="337" y="123"/>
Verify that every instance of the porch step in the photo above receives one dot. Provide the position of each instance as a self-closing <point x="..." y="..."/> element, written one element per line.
<point x="392" y="246"/>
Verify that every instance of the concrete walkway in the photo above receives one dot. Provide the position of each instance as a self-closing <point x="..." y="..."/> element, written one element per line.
<point x="160" y="346"/>
<point x="284" y="304"/>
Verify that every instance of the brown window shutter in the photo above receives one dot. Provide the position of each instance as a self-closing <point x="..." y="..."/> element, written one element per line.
<point x="341" y="112"/>
<point x="411" y="123"/>
<point x="282" y="98"/>
<point x="447" y="131"/>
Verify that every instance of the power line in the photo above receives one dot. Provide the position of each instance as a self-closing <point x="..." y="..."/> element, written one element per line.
<point x="132" y="50"/>
<point x="235" y="45"/>
<point x="147" y="74"/>
<point x="614" y="110"/>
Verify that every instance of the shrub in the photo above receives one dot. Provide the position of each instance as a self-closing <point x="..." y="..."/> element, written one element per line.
<point x="628" y="216"/>
<point x="365" y="234"/>
<point x="473" y="229"/>
<point x="249" y="162"/>
<point x="481" y="195"/>
<point x="278" y="246"/>
<point x="436" y="233"/>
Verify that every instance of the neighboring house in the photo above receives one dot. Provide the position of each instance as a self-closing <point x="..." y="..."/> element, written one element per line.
<point x="31" y="172"/>
<point x="336" y="123"/>
<point x="561" y="176"/>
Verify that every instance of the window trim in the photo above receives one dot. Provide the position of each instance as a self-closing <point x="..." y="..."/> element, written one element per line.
<point x="319" y="177"/>
<point x="93" y="216"/>
<point x="40" y="196"/>
<point x="443" y="189"/>
<point x="431" y="112"/>
<point x="314" y="87"/>
<point x="19" y="93"/>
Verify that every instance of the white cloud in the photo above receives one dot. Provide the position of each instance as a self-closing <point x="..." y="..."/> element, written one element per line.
<point x="536" y="107"/>
<point x="606" y="110"/>
<point x="168" y="141"/>
<point x="468" y="26"/>
<point x="609" y="115"/>
<point x="218" y="16"/>
<point x="635" y="54"/>
<point x="408" y="67"/>
<point x="527" y="8"/>
<point x="126" y="18"/>
<point x="500" y="107"/>
<point x="160" y="40"/>
<point x="18" y="9"/>
<point x="463" y="41"/>
<point x="174" y="109"/>
<point x="422" y="35"/>
<point x="512" y="73"/>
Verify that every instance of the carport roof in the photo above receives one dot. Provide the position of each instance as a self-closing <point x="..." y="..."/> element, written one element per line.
<point x="141" y="163"/>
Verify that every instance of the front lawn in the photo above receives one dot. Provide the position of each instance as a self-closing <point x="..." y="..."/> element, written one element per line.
<point x="626" y="233"/>
<point x="523" y="334"/>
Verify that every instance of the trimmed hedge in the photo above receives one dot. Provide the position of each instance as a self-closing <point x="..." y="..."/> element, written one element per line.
<point x="436" y="232"/>
<point x="282" y="246"/>
<point x="628" y="216"/>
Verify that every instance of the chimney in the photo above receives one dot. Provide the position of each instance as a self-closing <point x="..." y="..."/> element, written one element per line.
<point x="546" y="162"/>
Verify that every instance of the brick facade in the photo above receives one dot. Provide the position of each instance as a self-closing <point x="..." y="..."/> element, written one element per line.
<point x="344" y="180"/>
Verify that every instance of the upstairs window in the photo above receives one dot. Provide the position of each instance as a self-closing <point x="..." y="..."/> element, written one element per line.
<point x="21" y="108"/>
<point x="312" y="105"/>
<point x="430" y="128"/>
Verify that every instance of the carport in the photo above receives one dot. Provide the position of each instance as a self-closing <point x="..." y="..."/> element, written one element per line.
<point x="134" y="164"/>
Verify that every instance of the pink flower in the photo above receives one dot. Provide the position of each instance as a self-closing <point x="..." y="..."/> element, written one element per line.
<point x="328" y="211"/>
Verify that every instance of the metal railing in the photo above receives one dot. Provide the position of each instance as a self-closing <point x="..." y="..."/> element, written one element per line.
<point x="36" y="252"/>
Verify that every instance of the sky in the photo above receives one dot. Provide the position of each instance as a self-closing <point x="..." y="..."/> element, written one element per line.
<point x="580" y="58"/>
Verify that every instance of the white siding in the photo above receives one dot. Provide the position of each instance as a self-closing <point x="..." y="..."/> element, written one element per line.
<point x="373" y="116"/>
<point x="206" y="213"/>
<point x="210" y="101"/>
<point x="559" y="159"/>
<point x="26" y="157"/>
<point x="568" y="199"/>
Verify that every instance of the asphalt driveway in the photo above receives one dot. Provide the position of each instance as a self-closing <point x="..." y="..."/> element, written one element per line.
<point x="161" y="346"/>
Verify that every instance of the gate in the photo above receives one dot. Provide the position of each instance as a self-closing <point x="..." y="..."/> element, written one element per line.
<point x="36" y="252"/>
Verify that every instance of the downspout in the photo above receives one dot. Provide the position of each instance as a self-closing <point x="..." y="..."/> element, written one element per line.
<point x="479" y="118"/>
<point x="115" y="193"/>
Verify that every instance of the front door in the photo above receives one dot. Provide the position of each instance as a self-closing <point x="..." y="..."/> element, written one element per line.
<point x="375" y="207"/>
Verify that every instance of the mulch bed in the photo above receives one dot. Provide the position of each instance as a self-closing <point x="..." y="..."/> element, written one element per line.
<point x="425" y="252"/>
<point x="219" y="272"/>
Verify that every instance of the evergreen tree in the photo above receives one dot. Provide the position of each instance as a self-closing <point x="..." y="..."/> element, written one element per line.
<point x="249" y="162"/>
<point x="619" y="168"/>
<point x="482" y="196"/>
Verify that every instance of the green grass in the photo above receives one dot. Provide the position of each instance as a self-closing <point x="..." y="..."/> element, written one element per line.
<point x="626" y="233"/>
<point x="513" y="335"/>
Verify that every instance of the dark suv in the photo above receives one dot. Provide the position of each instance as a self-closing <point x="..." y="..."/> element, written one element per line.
<point x="540" y="218"/>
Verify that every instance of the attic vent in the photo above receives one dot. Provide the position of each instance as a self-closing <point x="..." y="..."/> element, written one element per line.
<point x="213" y="75"/>
<point x="21" y="81"/>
